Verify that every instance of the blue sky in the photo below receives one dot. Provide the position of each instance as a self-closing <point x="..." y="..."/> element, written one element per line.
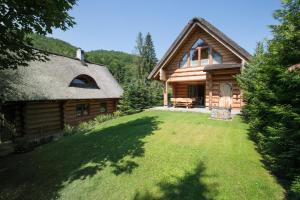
<point x="113" y="25"/>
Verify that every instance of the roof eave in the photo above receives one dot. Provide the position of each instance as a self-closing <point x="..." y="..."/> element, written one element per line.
<point x="244" y="54"/>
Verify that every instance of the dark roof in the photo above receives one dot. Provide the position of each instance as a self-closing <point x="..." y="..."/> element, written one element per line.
<point x="222" y="66"/>
<point x="50" y="80"/>
<point x="213" y="30"/>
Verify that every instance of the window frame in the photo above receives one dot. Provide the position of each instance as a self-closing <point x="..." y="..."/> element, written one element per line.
<point x="88" y="81"/>
<point x="82" y="110"/>
<point x="199" y="62"/>
<point x="106" y="107"/>
<point x="186" y="64"/>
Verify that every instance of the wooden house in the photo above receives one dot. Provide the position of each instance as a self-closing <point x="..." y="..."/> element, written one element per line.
<point x="41" y="98"/>
<point x="200" y="67"/>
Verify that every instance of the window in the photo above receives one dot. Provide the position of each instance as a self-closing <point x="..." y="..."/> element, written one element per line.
<point x="192" y="90"/>
<point x="194" y="60"/>
<point x="183" y="61"/>
<point x="217" y="58"/>
<point x="204" y="60"/>
<point x="84" y="81"/>
<point x="198" y="43"/>
<point x="200" y="54"/>
<point x="194" y="52"/>
<point x="103" y="107"/>
<point x="82" y="110"/>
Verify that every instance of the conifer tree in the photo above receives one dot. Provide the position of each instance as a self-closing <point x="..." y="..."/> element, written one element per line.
<point x="272" y="96"/>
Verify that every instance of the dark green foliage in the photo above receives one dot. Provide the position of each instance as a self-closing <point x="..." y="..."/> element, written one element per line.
<point x="120" y="64"/>
<point x="295" y="188"/>
<point x="20" y="18"/>
<point x="149" y="54"/>
<point x="146" y="59"/>
<point x="53" y="45"/>
<point x="139" y="95"/>
<point x="272" y="94"/>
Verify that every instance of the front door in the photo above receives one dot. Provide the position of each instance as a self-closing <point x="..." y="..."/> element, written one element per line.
<point x="225" y="95"/>
<point x="197" y="92"/>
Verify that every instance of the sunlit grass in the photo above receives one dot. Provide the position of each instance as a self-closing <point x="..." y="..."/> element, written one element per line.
<point x="150" y="155"/>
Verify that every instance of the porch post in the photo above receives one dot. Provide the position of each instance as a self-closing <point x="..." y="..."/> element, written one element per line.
<point x="210" y="89"/>
<point x="165" y="91"/>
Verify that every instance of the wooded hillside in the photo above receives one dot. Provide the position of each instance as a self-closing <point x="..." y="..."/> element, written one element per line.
<point x="120" y="64"/>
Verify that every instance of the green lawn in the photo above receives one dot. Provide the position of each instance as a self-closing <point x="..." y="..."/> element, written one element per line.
<point x="150" y="155"/>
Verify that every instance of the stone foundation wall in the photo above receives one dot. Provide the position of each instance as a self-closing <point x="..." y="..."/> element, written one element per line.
<point x="221" y="113"/>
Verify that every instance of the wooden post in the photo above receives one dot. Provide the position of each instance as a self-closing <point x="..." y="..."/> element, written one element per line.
<point x="165" y="93"/>
<point x="210" y="89"/>
<point x="210" y="61"/>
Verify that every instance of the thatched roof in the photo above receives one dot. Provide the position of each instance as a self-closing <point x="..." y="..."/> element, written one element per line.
<point x="50" y="80"/>
<point x="211" y="30"/>
<point x="222" y="66"/>
<point x="294" y="67"/>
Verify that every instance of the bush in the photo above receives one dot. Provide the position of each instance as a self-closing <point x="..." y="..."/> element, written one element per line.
<point x="271" y="93"/>
<point x="89" y="125"/>
<point x="295" y="188"/>
<point x="139" y="95"/>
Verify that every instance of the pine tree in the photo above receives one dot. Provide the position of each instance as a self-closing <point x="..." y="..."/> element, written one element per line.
<point x="149" y="55"/>
<point x="140" y="52"/>
<point x="272" y="95"/>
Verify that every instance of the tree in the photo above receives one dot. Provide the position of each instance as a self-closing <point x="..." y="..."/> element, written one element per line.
<point x="20" y="18"/>
<point x="272" y="96"/>
<point x="149" y="54"/>
<point x="140" y="52"/>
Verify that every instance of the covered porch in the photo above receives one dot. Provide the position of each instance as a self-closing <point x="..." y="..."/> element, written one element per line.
<point x="187" y="94"/>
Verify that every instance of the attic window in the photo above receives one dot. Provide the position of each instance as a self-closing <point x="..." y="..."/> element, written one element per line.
<point x="84" y="81"/>
<point x="200" y="54"/>
<point x="183" y="62"/>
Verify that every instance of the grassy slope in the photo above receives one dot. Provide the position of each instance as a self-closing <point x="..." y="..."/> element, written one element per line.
<point x="150" y="155"/>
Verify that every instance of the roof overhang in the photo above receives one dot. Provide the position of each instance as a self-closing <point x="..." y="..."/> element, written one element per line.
<point x="210" y="29"/>
<point x="214" y="67"/>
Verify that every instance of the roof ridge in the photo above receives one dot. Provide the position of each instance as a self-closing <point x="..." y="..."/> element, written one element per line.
<point x="210" y="28"/>
<point x="74" y="58"/>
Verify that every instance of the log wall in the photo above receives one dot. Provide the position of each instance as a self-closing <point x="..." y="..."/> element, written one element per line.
<point x="41" y="118"/>
<point x="172" y="68"/>
<point x="212" y="95"/>
<point x="94" y="110"/>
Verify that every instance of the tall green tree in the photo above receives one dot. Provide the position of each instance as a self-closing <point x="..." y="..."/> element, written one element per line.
<point x="19" y="18"/>
<point x="149" y="55"/>
<point x="140" y="52"/>
<point x="272" y="95"/>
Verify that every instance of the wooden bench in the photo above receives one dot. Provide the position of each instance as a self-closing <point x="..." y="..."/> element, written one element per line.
<point x="185" y="102"/>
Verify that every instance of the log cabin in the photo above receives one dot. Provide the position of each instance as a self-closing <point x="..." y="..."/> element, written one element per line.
<point x="44" y="96"/>
<point x="200" y="68"/>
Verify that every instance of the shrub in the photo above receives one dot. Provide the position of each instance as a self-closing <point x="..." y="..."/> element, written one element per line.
<point x="295" y="188"/>
<point x="139" y="95"/>
<point x="89" y="125"/>
<point x="271" y="93"/>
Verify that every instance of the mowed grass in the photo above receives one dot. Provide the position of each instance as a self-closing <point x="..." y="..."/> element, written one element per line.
<point x="150" y="155"/>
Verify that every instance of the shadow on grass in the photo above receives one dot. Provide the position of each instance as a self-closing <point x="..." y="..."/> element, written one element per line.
<point x="43" y="172"/>
<point x="191" y="186"/>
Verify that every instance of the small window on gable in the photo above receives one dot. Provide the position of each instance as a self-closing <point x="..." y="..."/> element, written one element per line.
<point x="84" y="81"/>
<point x="198" y="43"/>
<point x="217" y="58"/>
<point x="204" y="60"/>
<point x="183" y="61"/>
